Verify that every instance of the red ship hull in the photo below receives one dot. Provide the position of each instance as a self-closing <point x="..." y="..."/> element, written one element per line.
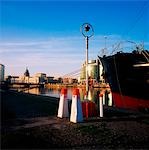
<point x="129" y="102"/>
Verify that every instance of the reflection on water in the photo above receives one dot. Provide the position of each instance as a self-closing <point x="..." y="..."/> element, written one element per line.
<point x="109" y="98"/>
<point x="93" y="93"/>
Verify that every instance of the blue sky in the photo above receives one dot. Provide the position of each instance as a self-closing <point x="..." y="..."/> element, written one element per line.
<point x="45" y="35"/>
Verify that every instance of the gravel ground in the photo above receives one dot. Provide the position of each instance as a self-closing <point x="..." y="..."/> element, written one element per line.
<point x="43" y="130"/>
<point x="54" y="133"/>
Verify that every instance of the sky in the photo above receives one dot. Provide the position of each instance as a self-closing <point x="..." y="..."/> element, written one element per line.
<point x="45" y="36"/>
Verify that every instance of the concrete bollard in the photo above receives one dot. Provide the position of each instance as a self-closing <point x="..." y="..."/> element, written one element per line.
<point x="101" y="104"/>
<point x="63" y="104"/>
<point x="76" y="107"/>
<point x="110" y="98"/>
<point x="104" y="98"/>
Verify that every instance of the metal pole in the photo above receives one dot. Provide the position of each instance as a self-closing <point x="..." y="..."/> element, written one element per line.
<point x="87" y="31"/>
<point x="105" y="46"/>
<point x="87" y="66"/>
<point x="105" y="42"/>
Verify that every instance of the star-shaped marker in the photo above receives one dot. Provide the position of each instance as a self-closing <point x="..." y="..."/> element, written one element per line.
<point x="87" y="28"/>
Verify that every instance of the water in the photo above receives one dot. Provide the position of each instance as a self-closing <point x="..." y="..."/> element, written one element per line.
<point x="109" y="99"/>
<point x="93" y="93"/>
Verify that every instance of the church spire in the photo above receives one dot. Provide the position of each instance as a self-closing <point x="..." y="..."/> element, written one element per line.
<point x="26" y="73"/>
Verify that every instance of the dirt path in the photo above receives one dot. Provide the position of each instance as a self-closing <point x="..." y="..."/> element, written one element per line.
<point x="52" y="132"/>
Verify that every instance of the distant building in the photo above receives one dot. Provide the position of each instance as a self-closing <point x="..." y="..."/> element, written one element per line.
<point x="94" y="72"/>
<point x="37" y="78"/>
<point x="34" y="80"/>
<point x="42" y="77"/>
<point x="14" y="79"/>
<point x="50" y="80"/>
<point x="26" y="74"/>
<point x="2" y="72"/>
<point x="26" y="79"/>
<point x="66" y="81"/>
<point x="69" y="80"/>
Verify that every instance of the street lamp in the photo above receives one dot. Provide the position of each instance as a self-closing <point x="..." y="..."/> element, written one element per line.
<point x="87" y="31"/>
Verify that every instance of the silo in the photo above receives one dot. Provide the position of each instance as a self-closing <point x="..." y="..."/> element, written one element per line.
<point x="93" y="69"/>
<point x="2" y="72"/>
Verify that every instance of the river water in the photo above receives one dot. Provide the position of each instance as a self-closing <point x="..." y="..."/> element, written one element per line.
<point x="93" y="93"/>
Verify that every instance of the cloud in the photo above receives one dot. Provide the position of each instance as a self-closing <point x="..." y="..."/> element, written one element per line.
<point x="53" y="54"/>
<point x="57" y="54"/>
<point x="61" y="44"/>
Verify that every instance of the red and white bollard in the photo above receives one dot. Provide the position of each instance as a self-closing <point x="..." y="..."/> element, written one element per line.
<point x="76" y="107"/>
<point x="63" y="104"/>
<point x="101" y="104"/>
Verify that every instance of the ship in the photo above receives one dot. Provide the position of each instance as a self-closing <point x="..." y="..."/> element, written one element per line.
<point x="128" y="76"/>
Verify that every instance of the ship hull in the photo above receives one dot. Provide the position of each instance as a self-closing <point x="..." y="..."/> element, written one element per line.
<point x="128" y="77"/>
<point x="129" y="102"/>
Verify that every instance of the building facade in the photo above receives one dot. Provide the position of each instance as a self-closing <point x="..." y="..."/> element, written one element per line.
<point x="42" y="77"/>
<point x="2" y="72"/>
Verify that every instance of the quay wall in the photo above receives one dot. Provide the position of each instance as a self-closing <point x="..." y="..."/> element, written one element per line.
<point x="23" y="105"/>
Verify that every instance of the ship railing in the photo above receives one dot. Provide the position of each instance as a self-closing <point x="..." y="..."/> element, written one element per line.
<point x="146" y="55"/>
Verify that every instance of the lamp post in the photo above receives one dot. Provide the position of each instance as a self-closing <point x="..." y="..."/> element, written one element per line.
<point x="105" y="45"/>
<point x="87" y="32"/>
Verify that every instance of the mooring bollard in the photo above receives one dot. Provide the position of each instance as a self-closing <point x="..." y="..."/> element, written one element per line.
<point x="101" y="104"/>
<point x="110" y="98"/>
<point x="104" y="98"/>
<point x="63" y="104"/>
<point x="76" y="107"/>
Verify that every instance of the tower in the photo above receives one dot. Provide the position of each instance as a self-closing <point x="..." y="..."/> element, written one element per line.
<point x="26" y="76"/>
<point x="2" y="72"/>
